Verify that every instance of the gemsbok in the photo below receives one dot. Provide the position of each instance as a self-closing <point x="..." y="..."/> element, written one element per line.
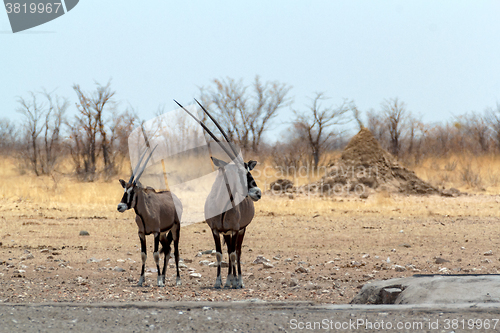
<point x="155" y="214"/>
<point x="229" y="221"/>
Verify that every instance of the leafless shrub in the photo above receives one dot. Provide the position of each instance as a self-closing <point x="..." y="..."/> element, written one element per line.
<point x="450" y="165"/>
<point x="470" y="176"/>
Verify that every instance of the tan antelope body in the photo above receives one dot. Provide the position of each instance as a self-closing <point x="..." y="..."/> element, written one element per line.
<point x="233" y="216"/>
<point x="155" y="214"/>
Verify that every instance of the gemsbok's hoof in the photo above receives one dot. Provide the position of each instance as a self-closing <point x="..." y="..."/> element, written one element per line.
<point x="218" y="283"/>
<point x="160" y="282"/>
<point x="178" y="282"/>
<point x="141" y="281"/>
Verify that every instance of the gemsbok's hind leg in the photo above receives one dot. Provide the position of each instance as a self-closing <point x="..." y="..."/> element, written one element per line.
<point x="176" y="253"/>
<point x="218" y="255"/>
<point x="239" y="242"/>
<point x="144" y="256"/>
<point x="156" y="256"/>
<point x="165" y="241"/>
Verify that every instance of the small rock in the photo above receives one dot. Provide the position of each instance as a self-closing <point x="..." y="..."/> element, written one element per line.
<point x="199" y="254"/>
<point x="440" y="261"/>
<point x="204" y="262"/>
<point x="260" y="260"/>
<point x="118" y="269"/>
<point x="399" y="268"/>
<point x="288" y="260"/>
<point x="84" y="233"/>
<point x="301" y="269"/>
<point x="188" y="261"/>
<point x="44" y="250"/>
<point x="224" y="264"/>
<point x="489" y="253"/>
<point x="93" y="260"/>
<point x="195" y="275"/>
<point x="267" y="265"/>
<point x="363" y="196"/>
<point x="293" y="282"/>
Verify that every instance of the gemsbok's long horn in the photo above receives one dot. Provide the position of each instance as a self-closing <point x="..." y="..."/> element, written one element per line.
<point x="219" y="127"/>
<point x="231" y="156"/>
<point x="144" y="166"/>
<point x="137" y="166"/>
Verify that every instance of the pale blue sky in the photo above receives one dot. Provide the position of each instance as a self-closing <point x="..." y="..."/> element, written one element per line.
<point x="440" y="57"/>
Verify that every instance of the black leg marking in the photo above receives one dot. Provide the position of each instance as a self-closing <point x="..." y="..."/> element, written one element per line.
<point x="218" y="249"/>
<point x="239" y="243"/>
<point x="165" y="240"/>
<point x="176" y="253"/>
<point x="142" y="237"/>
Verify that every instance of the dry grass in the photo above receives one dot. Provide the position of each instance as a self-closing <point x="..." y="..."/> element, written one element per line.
<point x="467" y="173"/>
<point x="61" y="195"/>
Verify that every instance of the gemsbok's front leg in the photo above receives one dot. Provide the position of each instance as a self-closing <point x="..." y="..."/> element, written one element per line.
<point x="239" y="242"/>
<point x="144" y="256"/>
<point x="156" y="256"/>
<point x="231" y="272"/>
<point x="218" y="255"/>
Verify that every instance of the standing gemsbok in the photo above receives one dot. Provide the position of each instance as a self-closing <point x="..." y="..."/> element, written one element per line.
<point x="222" y="213"/>
<point x="155" y="214"/>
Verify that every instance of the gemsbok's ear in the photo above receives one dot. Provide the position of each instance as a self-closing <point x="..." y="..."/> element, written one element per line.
<point x="124" y="184"/>
<point x="251" y="165"/>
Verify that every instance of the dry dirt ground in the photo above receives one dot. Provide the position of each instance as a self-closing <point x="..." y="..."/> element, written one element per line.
<point x="320" y="250"/>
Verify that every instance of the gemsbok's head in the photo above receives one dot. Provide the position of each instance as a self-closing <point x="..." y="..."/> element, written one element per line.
<point x="253" y="191"/>
<point x="129" y="197"/>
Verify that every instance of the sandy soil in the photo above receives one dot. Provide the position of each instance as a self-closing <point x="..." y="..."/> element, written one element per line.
<point x="322" y="257"/>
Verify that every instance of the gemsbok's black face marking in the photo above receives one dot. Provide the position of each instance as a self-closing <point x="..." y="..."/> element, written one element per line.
<point x="128" y="197"/>
<point x="254" y="191"/>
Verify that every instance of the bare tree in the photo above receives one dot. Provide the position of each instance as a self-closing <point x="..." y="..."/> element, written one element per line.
<point x="42" y="126"/>
<point x="8" y="136"/>
<point x="475" y="127"/>
<point x="98" y="130"/>
<point x="492" y="117"/>
<point x="315" y="125"/>
<point x="395" y="117"/>
<point x="245" y="116"/>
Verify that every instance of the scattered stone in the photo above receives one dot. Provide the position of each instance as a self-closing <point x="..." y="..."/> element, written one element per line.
<point x="195" y="275"/>
<point x="288" y="260"/>
<point x="281" y="185"/>
<point x="293" y="282"/>
<point x="489" y="253"/>
<point x="207" y="252"/>
<point x="267" y="265"/>
<point x="405" y="245"/>
<point x="363" y="195"/>
<point x="205" y="262"/>
<point x="119" y="269"/>
<point x="260" y="260"/>
<point x="44" y="250"/>
<point x="84" y="233"/>
<point x="440" y="261"/>
<point x="188" y="261"/>
<point x="399" y="268"/>
<point x="93" y="260"/>
<point x="301" y="269"/>
<point x="224" y="264"/>
<point x="199" y="254"/>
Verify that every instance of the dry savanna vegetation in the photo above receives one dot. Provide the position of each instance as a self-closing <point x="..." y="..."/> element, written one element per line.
<point x="320" y="249"/>
<point x="429" y="204"/>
